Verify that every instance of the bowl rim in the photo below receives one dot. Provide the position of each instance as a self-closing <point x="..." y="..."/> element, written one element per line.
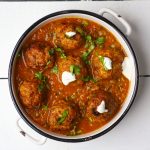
<point x="15" y="52"/>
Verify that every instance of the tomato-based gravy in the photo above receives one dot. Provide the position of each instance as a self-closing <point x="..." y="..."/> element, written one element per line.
<point x="68" y="76"/>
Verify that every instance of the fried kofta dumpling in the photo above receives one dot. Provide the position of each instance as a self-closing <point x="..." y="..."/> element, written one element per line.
<point x="106" y="64"/>
<point x="29" y="94"/>
<point x="117" y="87"/>
<point x="61" y="116"/>
<point x="38" y="56"/>
<point x="81" y="98"/>
<point x="101" y="107"/>
<point x="72" y="65"/>
<point x="66" y="76"/>
<point x="95" y="31"/>
<point x="66" y="37"/>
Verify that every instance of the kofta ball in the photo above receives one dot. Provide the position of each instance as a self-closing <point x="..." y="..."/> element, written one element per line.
<point x="38" y="56"/>
<point x="29" y="94"/>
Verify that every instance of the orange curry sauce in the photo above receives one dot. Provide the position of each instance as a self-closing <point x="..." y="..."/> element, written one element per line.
<point x="70" y="109"/>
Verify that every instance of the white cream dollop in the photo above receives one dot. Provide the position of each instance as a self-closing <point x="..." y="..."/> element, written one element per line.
<point x="101" y="108"/>
<point x="67" y="77"/>
<point x="126" y="68"/>
<point x="108" y="63"/>
<point x="70" y="34"/>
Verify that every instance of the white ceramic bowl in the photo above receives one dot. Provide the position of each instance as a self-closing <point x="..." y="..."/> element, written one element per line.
<point x="132" y="71"/>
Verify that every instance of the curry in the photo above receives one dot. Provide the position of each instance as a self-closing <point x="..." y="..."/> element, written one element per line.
<point x="69" y="76"/>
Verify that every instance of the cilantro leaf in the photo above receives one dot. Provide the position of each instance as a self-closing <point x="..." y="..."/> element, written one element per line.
<point x="58" y="49"/>
<point x="48" y="62"/>
<point x="85" y="23"/>
<point x="102" y="60"/>
<point x="87" y="53"/>
<point x="79" y="30"/>
<point x="63" y="117"/>
<point x="88" y="38"/>
<point x="41" y="87"/>
<point x="51" y="51"/>
<point x="74" y="69"/>
<point x="100" y="40"/>
<point x="55" y="69"/>
<point x="39" y="75"/>
<point x="62" y="54"/>
<point x="45" y="107"/>
<point x="18" y="54"/>
<point x="86" y="78"/>
<point x="90" y="45"/>
<point x="42" y="79"/>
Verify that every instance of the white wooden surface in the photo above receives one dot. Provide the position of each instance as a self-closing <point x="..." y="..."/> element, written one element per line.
<point x="133" y="132"/>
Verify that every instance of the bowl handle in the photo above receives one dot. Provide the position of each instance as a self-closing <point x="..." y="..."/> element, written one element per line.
<point x="118" y="17"/>
<point x="40" y="141"/>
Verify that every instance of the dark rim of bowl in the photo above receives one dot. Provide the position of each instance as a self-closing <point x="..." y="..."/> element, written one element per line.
<point x="14" y="54"/>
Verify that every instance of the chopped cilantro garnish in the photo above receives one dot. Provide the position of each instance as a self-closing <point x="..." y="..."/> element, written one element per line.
<point x="90" y="45"/>
<point x="18" y="54"/>
<point x="100" y="40"/>
<point x="41" y="87"/>
<point x="42" y="78"/>
<point x="39" y="75"/>
<point x="63" y="117"/>
<point x="79" y="30"/>
<point x="88" y="38"/>
<point x="87" y="53"/>
<point x="85" y="23"/>
<point x="48" y="62"/>
<point x="55" y="69"/>
<point x="89" y="41"/>
<point x="51" y="51"/>
<point x="58" y="49"/>
<point x="88" y="78"/>
<point x="45" y="107"/>
<point x="62" y="54"/>
<point x="102" y="60"/>
<point x="74" y="69"/>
